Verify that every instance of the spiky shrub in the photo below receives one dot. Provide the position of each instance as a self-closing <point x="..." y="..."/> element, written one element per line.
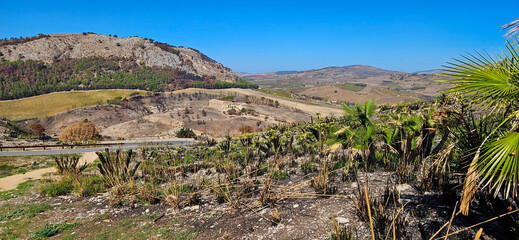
<point x="69" y="165"/>
<point x="117" y="169"/>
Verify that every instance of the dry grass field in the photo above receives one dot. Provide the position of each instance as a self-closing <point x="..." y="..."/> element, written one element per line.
<point x="49" y="104"/>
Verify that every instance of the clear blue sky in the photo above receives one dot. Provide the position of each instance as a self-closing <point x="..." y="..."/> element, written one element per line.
<point x="261" y="36"/>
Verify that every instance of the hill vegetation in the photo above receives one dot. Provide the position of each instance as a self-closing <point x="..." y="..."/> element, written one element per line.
<point x="21" y="78"/>
<point x="391" y="161"/>
<point x="42" y="64"/>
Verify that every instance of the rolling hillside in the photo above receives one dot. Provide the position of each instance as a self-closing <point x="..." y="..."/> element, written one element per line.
<point x="354" y="84"/>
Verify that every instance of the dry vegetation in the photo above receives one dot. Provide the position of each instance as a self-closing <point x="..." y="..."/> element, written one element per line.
<point x="80" y="132"/>
<point x="387" y="173"/>
<point x="46" y="105"/>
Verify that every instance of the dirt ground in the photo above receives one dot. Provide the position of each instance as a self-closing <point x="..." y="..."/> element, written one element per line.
<point x="163" y="114"/>
<point x="11" y="182"/>
<point x="302" y="215"/>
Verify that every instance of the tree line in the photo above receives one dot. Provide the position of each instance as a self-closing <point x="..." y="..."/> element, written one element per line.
<point x="27" y="78"/>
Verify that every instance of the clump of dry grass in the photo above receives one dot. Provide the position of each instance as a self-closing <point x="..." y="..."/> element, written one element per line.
<point x="320" y="182"/>
<point x="385" y="217"/>
<point x="276" y="217"/>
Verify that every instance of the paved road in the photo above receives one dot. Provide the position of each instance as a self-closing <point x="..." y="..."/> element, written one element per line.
<point x="124" y="146"/>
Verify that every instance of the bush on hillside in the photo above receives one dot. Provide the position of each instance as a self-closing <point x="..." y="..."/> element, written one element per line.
<point x="246" y="129"/>
<point x="186" y="133"/>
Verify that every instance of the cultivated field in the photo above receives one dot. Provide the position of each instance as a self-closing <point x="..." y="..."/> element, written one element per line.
<point x="48" y="104"/>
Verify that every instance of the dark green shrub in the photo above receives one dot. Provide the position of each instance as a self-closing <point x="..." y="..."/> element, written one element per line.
<point x="186" y="133"/>
<point x="50" y="230"/>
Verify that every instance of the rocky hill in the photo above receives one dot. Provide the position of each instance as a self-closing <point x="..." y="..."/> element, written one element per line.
<point x="61" y="62"/>
<point x="55" y="47"/>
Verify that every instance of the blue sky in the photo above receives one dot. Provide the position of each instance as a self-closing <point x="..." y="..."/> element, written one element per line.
<point x="261" y="36"/>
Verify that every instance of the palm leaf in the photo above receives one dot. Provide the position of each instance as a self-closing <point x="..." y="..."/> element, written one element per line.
<point x="513" y="28"/>
<point x="498" y="165"/>
<point x="488" y="164"/>
<point x="484" y="80"/>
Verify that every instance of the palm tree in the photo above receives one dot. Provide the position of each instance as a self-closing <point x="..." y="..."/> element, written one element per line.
<point x="491" y="83"/>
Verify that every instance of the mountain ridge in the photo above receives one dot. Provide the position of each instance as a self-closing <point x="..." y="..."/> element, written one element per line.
<point x="60" y="46"/>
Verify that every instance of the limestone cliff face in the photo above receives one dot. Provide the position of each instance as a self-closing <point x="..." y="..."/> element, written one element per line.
<point x="77" y="45"/>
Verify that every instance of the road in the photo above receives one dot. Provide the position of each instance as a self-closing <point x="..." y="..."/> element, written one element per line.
<point x="123" y="146"/>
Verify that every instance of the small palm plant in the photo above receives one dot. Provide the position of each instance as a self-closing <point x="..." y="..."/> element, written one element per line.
<point x="365" y="129"/>
<point x="491" y="83"/>
<point x="117" y="168"/>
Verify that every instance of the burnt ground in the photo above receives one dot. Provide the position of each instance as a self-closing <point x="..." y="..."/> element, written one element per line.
<point x="164" y="114"/>
<point x="303" y="214"/>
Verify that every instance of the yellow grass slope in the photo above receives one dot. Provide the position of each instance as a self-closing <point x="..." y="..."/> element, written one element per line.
<point x="48" y="104"/>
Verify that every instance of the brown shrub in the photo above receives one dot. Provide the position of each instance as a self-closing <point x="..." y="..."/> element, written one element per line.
<point x="233" y="111"/>
<point x="246" y="129"/>
<point x="39" y="129"/>
<point x="79" y="132"/>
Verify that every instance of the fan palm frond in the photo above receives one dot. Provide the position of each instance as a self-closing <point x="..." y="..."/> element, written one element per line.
<point x="498" y="165"/>
<point x="485" y="80"/>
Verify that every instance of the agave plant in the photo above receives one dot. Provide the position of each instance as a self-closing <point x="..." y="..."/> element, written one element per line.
<point x="491" y="83"/>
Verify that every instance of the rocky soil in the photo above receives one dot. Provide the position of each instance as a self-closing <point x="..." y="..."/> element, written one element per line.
<point x="303" y="215"/>
<point x="163" y="114"/>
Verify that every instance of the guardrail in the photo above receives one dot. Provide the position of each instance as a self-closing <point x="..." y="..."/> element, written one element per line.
<point x="62" y="146"/>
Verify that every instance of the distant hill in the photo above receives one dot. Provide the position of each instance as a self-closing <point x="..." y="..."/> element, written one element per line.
<point x="354" y="83"/>
<point x="433" y="71"/>
<point x="338" y="75"/>
<point x="46" y="63"/>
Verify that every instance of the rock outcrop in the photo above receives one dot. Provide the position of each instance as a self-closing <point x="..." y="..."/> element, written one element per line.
<point x="76" y="45"/>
